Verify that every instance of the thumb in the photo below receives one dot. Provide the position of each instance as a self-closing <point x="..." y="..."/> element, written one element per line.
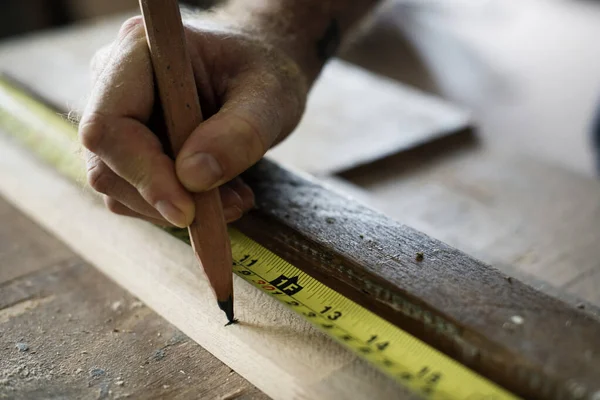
<point x="254" y="115"/>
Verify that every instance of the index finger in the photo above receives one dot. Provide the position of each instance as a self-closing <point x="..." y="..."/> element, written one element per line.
<point x="113" y="127"/>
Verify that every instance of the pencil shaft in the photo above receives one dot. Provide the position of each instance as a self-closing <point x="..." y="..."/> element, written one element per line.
<point x="182" y="113"/>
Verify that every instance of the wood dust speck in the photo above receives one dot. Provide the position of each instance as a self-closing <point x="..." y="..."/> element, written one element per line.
<point x="159" y="355"/>
<point x="116" y="306"/>
<point x="22" y="346"/>
<point x="517" y="320"/>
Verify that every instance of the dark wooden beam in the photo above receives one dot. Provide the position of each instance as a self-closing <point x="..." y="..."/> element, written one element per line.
<point x="528" y="342"/>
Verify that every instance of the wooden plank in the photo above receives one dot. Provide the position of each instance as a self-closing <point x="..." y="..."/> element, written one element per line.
<point x="273" y="348"/>
<point x="396" y="117"/>
<point x="87" y="337"/>
<point x="505" y="209"/>
<point x="455" y="302"/>
<point x="333" y="127"/>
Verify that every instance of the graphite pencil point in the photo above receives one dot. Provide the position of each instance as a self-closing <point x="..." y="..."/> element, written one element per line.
<point x="227" y="307"/>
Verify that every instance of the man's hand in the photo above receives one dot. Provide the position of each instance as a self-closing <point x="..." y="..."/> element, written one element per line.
<point x="253" y="94"/>
<point x="253" y="63"/>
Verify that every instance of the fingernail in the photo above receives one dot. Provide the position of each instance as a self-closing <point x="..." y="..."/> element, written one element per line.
<point x="232" y="213"/>
<point x="171" y="213"/>
<point x="200" y="171"/>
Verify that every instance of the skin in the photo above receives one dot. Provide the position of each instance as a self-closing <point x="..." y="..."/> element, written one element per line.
<point x="254" y="65"/>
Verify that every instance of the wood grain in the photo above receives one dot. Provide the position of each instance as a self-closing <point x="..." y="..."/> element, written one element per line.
<point x="397" y="118"/>
<point x="182" y="114"/>
<point x="88" y="338"/>
<point x="17" y="243"/>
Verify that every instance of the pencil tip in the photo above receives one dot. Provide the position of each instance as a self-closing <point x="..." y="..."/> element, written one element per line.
<point x="227" y="307"/>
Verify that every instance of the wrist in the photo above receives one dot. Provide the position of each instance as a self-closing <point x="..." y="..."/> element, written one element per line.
<point x="307" y="37"/>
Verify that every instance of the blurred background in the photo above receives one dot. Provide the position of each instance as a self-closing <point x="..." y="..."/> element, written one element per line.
<point x="19" y="16"/>
<point x="529" y="70"/>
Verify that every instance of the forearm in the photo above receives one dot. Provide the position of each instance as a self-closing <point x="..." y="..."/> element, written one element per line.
<point x="308" y="31"/>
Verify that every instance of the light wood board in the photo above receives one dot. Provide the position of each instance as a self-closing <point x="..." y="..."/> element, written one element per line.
<point x="274" y="349"/>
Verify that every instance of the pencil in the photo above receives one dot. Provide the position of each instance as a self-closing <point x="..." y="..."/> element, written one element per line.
<point x="182" y="114"/>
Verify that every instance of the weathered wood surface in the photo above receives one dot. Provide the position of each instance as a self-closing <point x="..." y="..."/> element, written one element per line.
<point x="498" y="326"/>
<point x="516" y="213"/>
<point x="87" y="337"/>
<point x="333" y="127"/>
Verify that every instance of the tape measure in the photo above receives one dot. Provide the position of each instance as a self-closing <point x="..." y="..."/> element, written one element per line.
<point x="406" y="359"/>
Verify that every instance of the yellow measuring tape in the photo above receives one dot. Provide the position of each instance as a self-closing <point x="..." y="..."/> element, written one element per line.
<point x="406" y="359"/>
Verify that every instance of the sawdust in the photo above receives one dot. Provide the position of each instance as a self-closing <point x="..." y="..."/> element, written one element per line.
<point x="96" y="372"/>
<point x="234" y="395"/>
<point x="116" y="306"/>
<point x="517" y="320"/>
<point x="22" y="346"/>
<point x="136" y="304"/>
<point x="159" y="355"/>
<point x="22" y="372"/>
<point x="22" y="307"/>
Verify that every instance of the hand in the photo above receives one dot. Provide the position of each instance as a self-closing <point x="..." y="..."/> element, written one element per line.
<point x="252" y="96"/>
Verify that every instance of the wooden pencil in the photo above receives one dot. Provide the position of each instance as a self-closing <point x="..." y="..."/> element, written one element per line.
<point x="182" y="113"/>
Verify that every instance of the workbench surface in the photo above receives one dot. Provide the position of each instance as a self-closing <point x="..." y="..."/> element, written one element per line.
<point x="83" y="337"/>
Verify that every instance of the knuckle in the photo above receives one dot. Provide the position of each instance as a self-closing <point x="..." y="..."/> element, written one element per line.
<point x="100" y="178"/>
<point x="230" y="197"/>
<point x="132" y="26"/>
<point x="147" y="182"/>
<point x="252" y="137"/>
<point x="92" y="132"/>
